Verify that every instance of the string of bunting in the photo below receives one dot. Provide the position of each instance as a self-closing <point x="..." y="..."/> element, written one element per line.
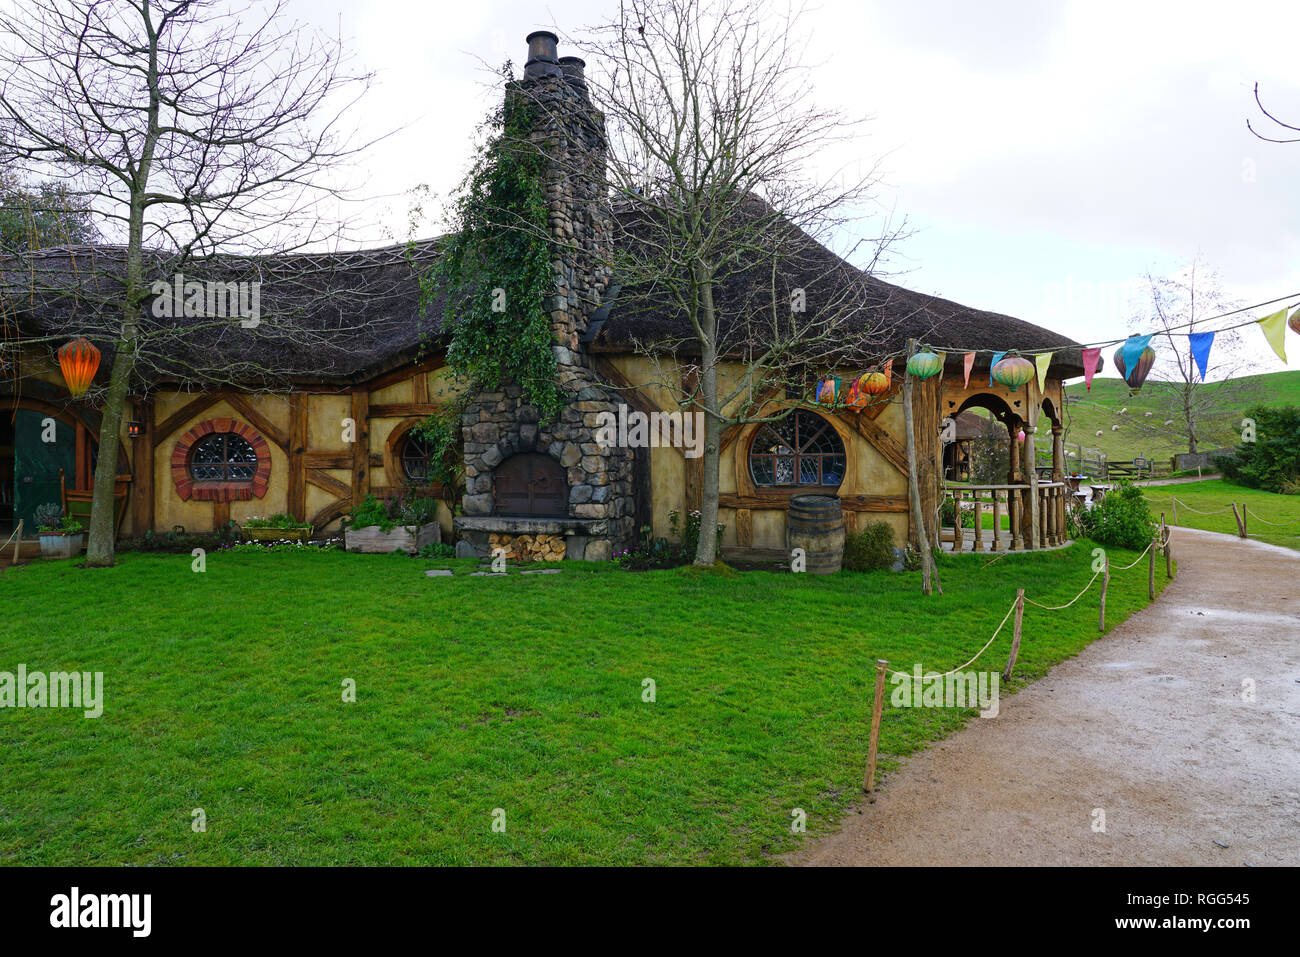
<point x="1134" y="358"/>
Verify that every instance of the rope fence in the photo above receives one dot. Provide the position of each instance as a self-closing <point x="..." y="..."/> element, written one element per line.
<point x="17" y="539"/>
<point x="1159" y="542"/>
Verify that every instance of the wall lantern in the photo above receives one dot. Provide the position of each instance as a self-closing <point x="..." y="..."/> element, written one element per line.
<point x="1013" y="370"/>
<point x="924" y="364"/>
<point x="133" y="429"/>
<point x="79" y="361"/>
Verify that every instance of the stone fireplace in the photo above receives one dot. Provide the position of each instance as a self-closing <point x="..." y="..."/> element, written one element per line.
<point x="525" y="478"/>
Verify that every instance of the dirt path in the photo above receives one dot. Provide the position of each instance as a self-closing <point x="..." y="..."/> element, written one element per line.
<point x="1147" y="723"/>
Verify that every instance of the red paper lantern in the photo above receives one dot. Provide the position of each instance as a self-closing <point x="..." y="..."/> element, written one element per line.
<point x="79" y="360"/>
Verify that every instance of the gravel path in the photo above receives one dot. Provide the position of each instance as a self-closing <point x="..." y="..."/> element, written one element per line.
<point x="1148" y="724"/>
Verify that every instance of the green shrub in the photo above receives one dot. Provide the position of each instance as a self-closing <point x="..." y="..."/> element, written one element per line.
<point x="870" y="548"/>
<point x="1121" y="520"/>
<point x="406" y="509"/>
<point x="438" y="550"/>
<point x="1272" y="461"/>
<point x="279" y="520"/>
<point x="949" y="508"/>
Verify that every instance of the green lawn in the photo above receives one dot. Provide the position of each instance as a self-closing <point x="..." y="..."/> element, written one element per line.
<point x="222" y="692"/>
<point x="1217" y="497"/>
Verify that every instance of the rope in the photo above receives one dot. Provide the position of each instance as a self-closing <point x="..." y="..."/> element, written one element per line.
<point x="1068" y="603"/>
<point x="1198" y="511"/>
<point x="1274" y="524"/>
<point x="1121" y="568"/>
<point x="977" y="654"/>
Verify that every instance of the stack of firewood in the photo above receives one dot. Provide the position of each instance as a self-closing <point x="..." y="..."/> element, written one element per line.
<point x="529" y="548"/>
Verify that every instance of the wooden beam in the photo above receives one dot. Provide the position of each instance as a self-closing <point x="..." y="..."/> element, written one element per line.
<point x="401" y="410"/>
<point x="330" y="512"/>
<point x="296" y="449"/>
<point x="781" y="500"/>
<point x="329" y="483"/>
<point x="744" y="527"/>
<point x="186" y="412"/>
<point x="431" y="364"/>
<point x="142" y="463"/>
<point x="889" y="447"/>
<point x="420" y="388"/>
<point x="258" y="421"/>
<point x="362" y="459"/>
<point x="327" y="460"/>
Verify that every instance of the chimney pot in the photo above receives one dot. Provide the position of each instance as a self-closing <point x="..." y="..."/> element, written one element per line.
<point x="572" y="68"/>
<point x="542" y="49"/>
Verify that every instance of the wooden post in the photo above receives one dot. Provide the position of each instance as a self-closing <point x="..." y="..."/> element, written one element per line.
<point x="956" y="521"/>
<point x="1174" y="500"/>
<point x="1151" y="569"/>
<point x="979" y="522"/>
<point x="1245" y="531"/>
<point x="1015" y="635"/>
<point x="877" y="705"/>
<point x="1241" y="529"/>
<point x="997" y="520"/>
<point x="914" y="486"/>
<point x="18" y="541"/>
<point x="1169" y="555"/>
<point x="1105" y="581"/>
<point x="1031" y="473"/>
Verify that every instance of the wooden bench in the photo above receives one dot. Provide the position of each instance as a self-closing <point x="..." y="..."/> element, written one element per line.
<point x="77" y="502"/>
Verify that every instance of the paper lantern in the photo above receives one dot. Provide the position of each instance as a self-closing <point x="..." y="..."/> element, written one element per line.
<point x="78" y="360"/>
<point x="1294" y="322"/>
<point x="1020" y="436"/>
<point x="856" y="398"/>
<point x="873" y="382"/>
<point x="1013" y="370"/>
<point x="828" y="390"/>
<point x="1138" y="374"/>
<point x="925" y="364"/>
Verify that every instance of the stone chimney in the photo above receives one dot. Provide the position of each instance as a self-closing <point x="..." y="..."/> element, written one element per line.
<point x="496" y="426"/>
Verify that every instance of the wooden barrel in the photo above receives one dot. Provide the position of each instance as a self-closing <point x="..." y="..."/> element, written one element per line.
<point x="815" y="523"/>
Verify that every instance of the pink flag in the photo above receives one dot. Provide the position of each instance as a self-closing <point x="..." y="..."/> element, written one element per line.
<point x="968" y="360"/>
<point x="1090" y="357"/>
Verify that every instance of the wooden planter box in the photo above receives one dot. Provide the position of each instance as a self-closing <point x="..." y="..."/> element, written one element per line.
<point x="62" y="546"/>
<point x="408" y="538"/>
<point x="276" y="534"/>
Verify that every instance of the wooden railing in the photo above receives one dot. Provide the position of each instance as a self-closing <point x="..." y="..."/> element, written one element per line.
<point x="1012" y="501"/>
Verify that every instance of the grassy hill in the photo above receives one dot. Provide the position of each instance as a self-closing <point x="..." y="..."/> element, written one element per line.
<point x="1148" y="436"/>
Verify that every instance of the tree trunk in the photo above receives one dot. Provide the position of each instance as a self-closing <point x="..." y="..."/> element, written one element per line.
<point x="706" y="552"/>
<point x="913" y="485"/>
<point x="103" y="518"/>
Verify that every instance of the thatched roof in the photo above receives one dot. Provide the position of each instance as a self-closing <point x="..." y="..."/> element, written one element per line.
<point x="882" y="316"/>
<point x="333" y="317"/>
<point x="344" y="317"/>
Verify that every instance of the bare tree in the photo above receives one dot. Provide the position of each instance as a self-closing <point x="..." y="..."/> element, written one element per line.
<point x="1180" y="304"/>
<point x="713" y="144"/>
<point x="191" y="128"/>
<point x="1290" y="128"/>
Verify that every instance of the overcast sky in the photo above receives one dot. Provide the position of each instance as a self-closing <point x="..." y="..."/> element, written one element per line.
<point x="1047" y="154"/>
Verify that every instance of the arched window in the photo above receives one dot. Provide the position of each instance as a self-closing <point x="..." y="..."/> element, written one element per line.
<point x="801" y="450"/>
<point x="223" y="457"/>
<point x="415" y="454"/>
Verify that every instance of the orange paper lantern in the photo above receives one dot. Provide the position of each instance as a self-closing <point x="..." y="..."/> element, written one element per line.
<point x="79" y="360"/>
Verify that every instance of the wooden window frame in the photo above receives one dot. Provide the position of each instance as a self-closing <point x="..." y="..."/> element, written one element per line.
<point x="188" y="488"/>
<point x="827" y="427"/>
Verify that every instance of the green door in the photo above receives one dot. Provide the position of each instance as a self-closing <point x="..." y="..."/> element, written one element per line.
<point x="37" y="463"/>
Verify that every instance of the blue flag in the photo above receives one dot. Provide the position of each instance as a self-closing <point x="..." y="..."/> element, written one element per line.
<point x="1131" y="350"/>
<point x="996" y="357"/>
<point x="1200" y="342"/>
